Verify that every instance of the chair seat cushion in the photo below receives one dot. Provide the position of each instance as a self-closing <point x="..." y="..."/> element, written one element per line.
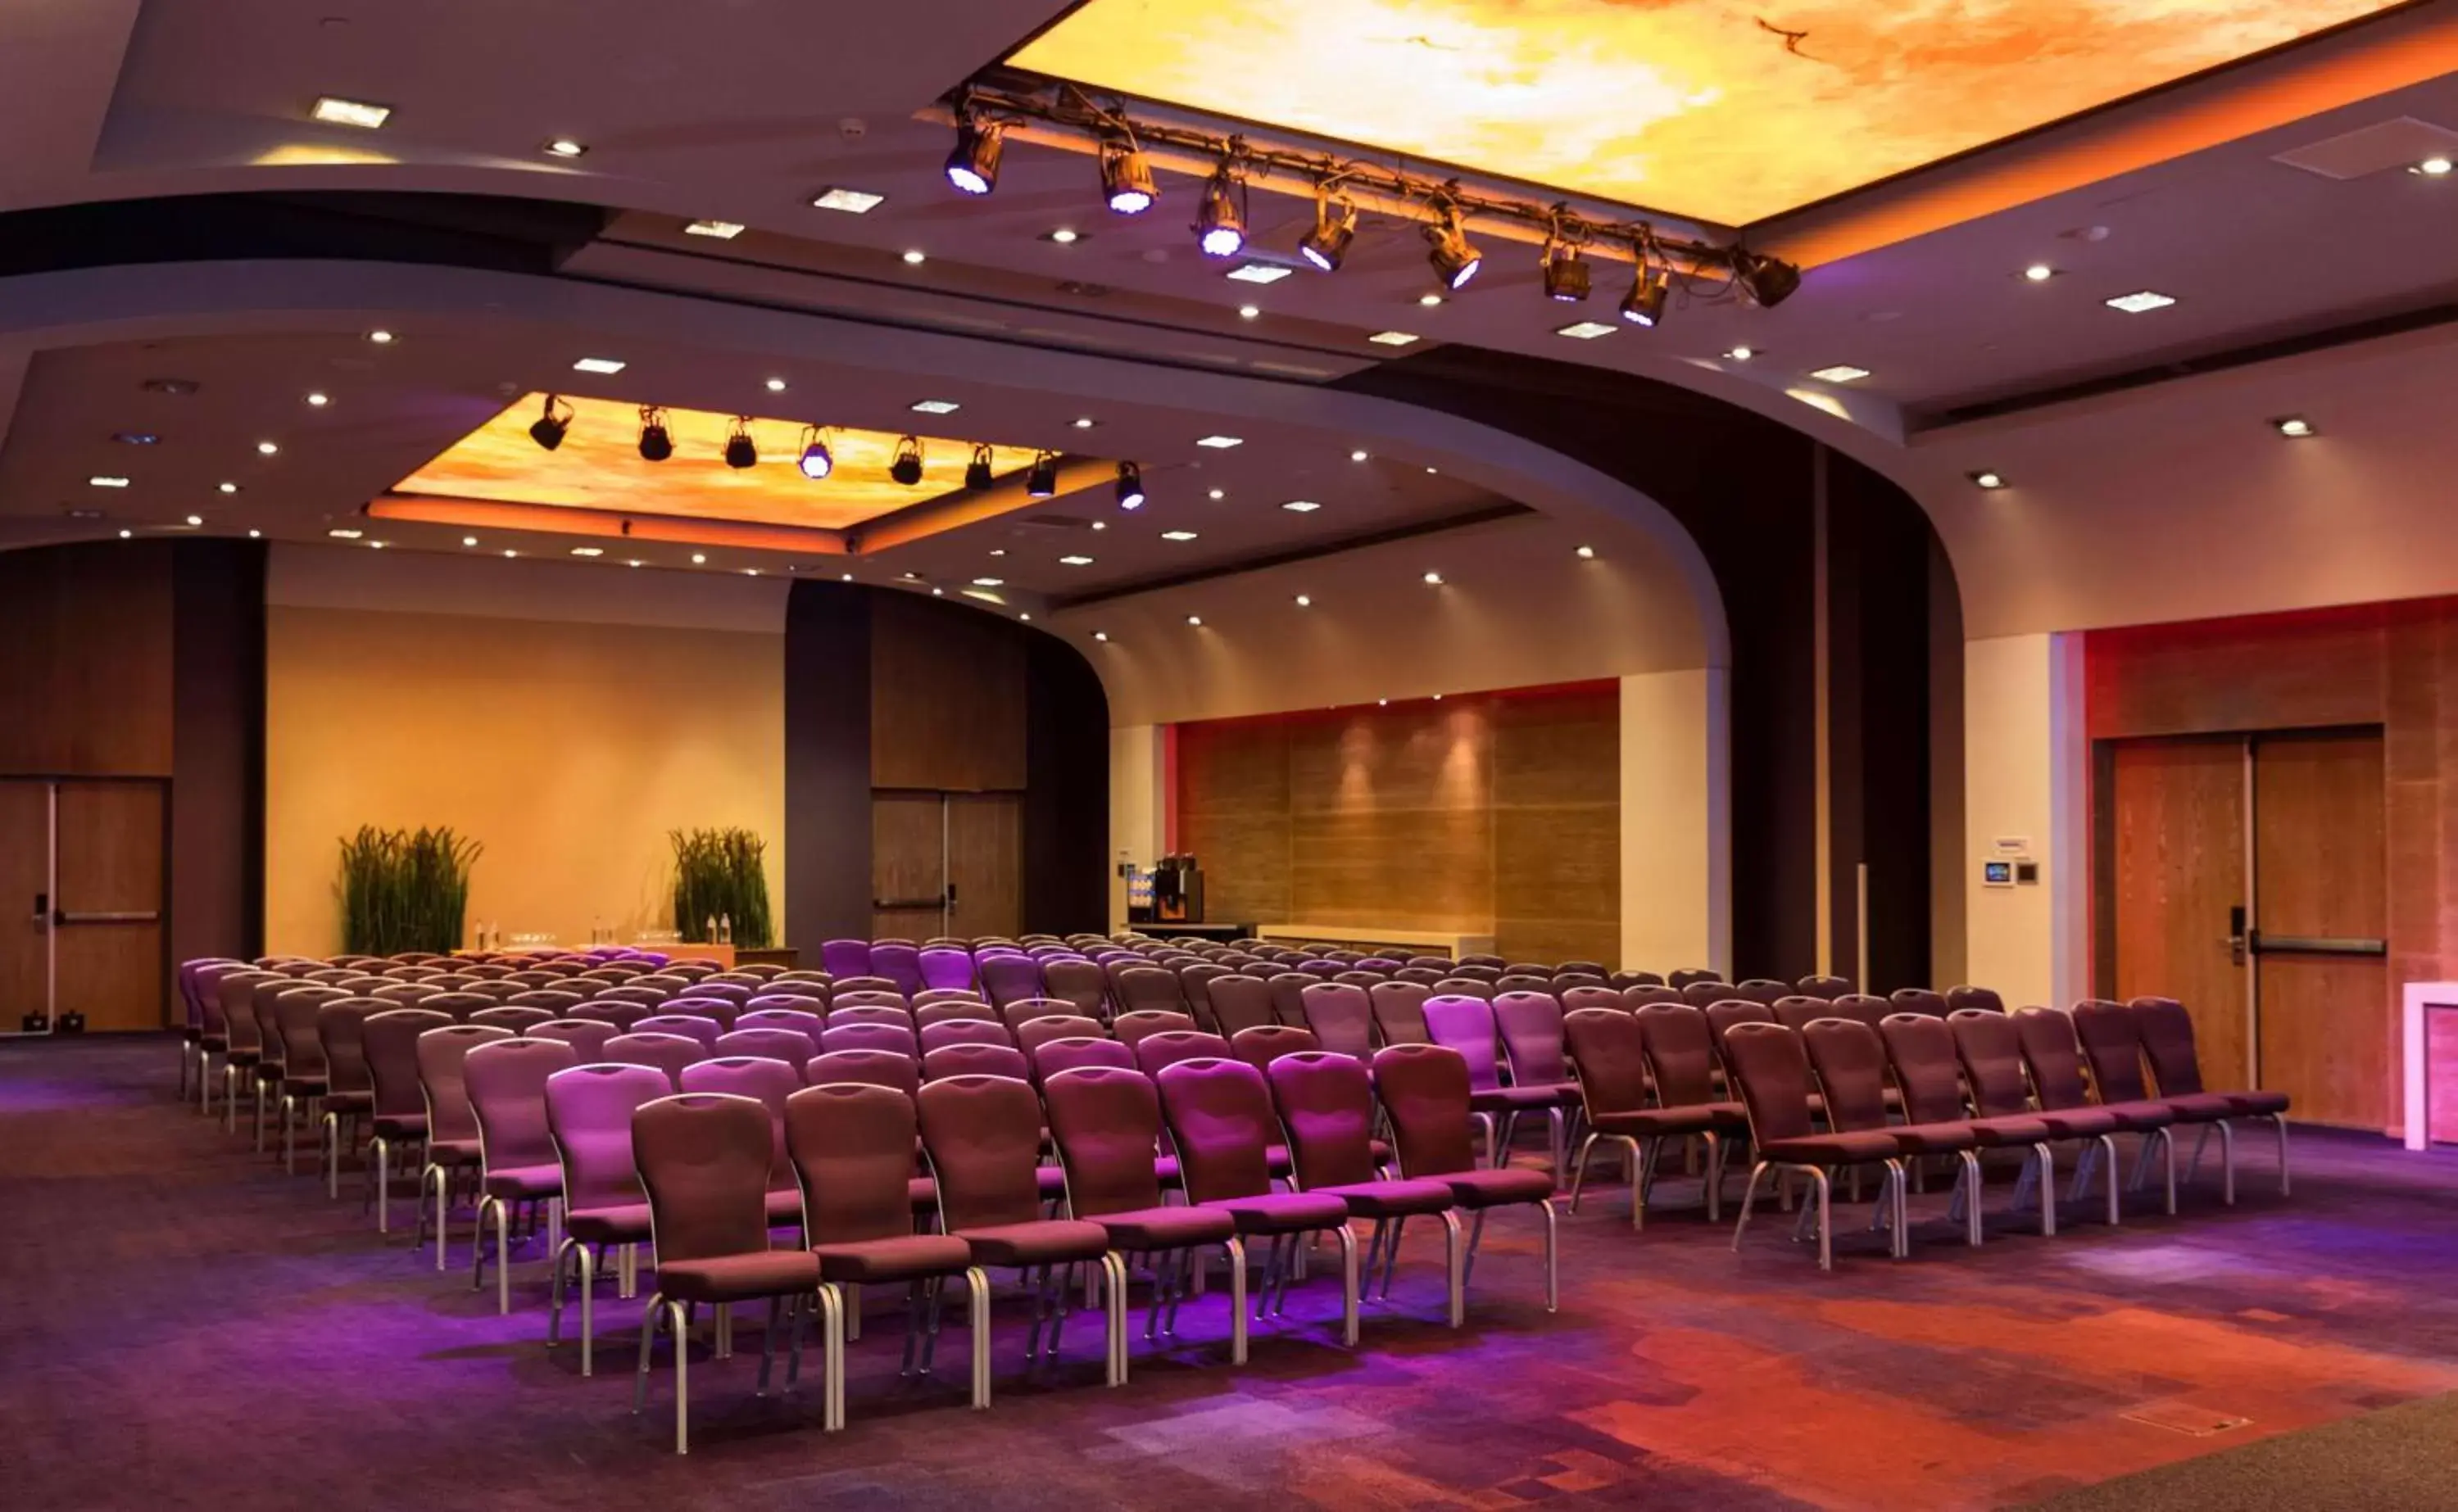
<point x="1283" y="1212"/>
<point x="1391" y="1199"/>
<point x="896" y="1259"/>
<point x="922" y="1193"/>
<point x="2079" y="1123"/>
<point x="1048" y="1241"/>
<point x="394" y="1128"/>
<point x="2013" y="1128"/>
<point x="1165" y="1169"/>
<point x="1497" y="1189"/>
<point x="785" y="1206"/>
<point x="1649" y="1122"/>
<point x="1519" y="1099"/>
<point x="739" y="1278"/>
<point x="1829" y="1149"/>
<point x="524" y="1183"/>
<point x="214" y="1040"/>
<point x="350" y="1102"/>
<point x="620" y="1225"/>
<point x="2206" y="1107"/>
<point x="1166" y="1228"/>
<point x="2256" y="1105"/>
<point x="454" y="1152"/>
<point x="2146" y="1114"/>
<point x="1934" y="1139"/>
<point x="1052" y="1180"/>
<point x="305" y="1085"/>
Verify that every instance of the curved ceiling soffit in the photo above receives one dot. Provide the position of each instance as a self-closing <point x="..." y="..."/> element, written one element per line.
<point x="97" y="306"/>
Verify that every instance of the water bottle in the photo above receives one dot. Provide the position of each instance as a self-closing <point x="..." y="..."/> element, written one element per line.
<point x="725" y="929"/>
<point x="708" y="929"/>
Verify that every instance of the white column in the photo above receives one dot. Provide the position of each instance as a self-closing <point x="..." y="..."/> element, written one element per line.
<point x="1138" y="805"/>
<point x="1677" y="831"/>
<point x="2027" y="779"/>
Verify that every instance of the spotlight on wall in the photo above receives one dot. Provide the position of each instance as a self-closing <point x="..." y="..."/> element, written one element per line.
<point x="2295" y="428"/>
<point x="973" y="163"/>
<point x="1127" y="179"/>
<point x="1220" y="221"/>
<point x="657" y="443"/>
<point x="1131" y="486"/>
<point x="1988" y="478"/>
<point x="548" y="429"/>
<point x="978" y="474"/>
<point x="1767" y="281"/>
<point x="1335" y="227"/>
<point x="1567" y="278"/>
<point x="906" y="469"/>
<point x="1042" y="481"/>
<point x="1649" y="288"/>
<point x="740" y="451"/>
<point x="817" y="460"/>
<point x="1454" y="257"/>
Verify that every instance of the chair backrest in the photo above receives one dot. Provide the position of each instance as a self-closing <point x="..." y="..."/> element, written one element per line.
<point x="867" y="1068"/>
<point x="587" y="1037"/>
<point x="1495" y="963"/>
<point x="1918" y="999"/>
<point x="1399" y="1011"/>
<point x="1729" y="1014"/>
<point x="1612" y="1052"/>
<point x="1023" y="1010"/>
<point x="1607" y="999"/>
<point x="1819" y="986"/>
<point x="2166" y="1030"/>
<point x="1770" y="1070"/>
<point x="1687" y="975"/>
<point x="1680" y="1052"/>
<point x="1154" y="1051"/>
<point x="844" y="1013"/>
<point x="1797" y="1011"/>
<point x="845" y="957"/>
<point x="556" y="1001"/>
<point x="237" y="992"/>
<point x="1240" y="1002"/>
<point x="442" y="1053"/>
<point x="1341" y="1017"/>
<point x="1861" y="1008"/>
<point x="770" y="1082"/>
<point x="1763" y="989"/>
<point x="2111" y="1040"/>
<point x="851" y="1148"/>
<point x="1221" y="1124"/>
<point x="945" y="966"/>
<point x="720" y="1000"/>
<point x="1148" y="989"/>
<point x="1038" y="1032"/>
<point x="1850" y="1060"/>
<point x="389" y="1038"/>
<point x="892" y="1039"/>
<point x="1006" y="979"/>
<point x="1423" y="975"/>
<point x="669" y="1053"/>
<point x="652" y="996"/>
<point x="1195" y="981"/>
<point x="689" y="1026"/>
<point x="792" y="1046"/>
<point x="965" y="1031"/>
<point x="1523" y="981"/>
<point x="931" y="997"/>
<point x="1639" y="994"/>
<point x="898" y="963"/>
<point x="1530" y="1024"/>
<point x="1465" y="1025"/>
<point x="1053" y="1056"/>
<point x="1265" y="1043"/>
<point x="1637" y="979"/>
<point x="1287" y="992"/>
<point x="294" y="1014"/>
<point x="1106" y="1122"/>
<point x="984" y="1138"/>
<point x="975" y="1060"/>
<point x="342" y="1026"/>
<point x="1990" y="1048"/>
<point x="1707" y="991"/>
<point x="1583" y="968"/>
<point x="589" y="1113"/>
<point x="1920" y="1046"/>
<point x="506" y="1082"/>
<point x="1326" y="1101"/>
<point x="704" y="1160"/>
<point x="1425" y="1094"/>
<point x="520" y="1021"/>
<point x="2052" y="1057"/>
<point x="1081" y="982"/>
<point x="1131" y="1028"/>
<point x="1960" y="998"/>
<point x="813" y="1004"/>
<point x="865" y="984"/>
<point x="793" y="1021"/>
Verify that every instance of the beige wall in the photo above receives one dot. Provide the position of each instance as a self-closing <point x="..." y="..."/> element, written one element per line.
<point x="2026" y="777"/>
<point x="1677" y="831"/>
<point x="1139" y="799"/>
<point x="568" y="744"/>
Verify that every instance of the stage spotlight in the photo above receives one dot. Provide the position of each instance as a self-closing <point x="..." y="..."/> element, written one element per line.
<point x="1220" y="224"/>
<point x="906" y="469"/>
<point x="1131" y="486"/>
<point x="548" y="429"/>
<point x="1454" y="258"/>
<point x="1649" y="287"/>
<point x="1042" y="481"/>
<point x="1768" y="282"/>
<point x="739" y="452"/>
<point x="1567" y="278"/>
<point x="657" y="444"/>
<point x="817" y="461"/>
<point x="977" y="472"/>
<point x="1127" y="179"/>
<point x="1335" y="227"/>
<point x="973" y="163"/>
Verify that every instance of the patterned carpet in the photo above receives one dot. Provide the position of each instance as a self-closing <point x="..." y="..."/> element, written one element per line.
<point x="187" y="1327"/>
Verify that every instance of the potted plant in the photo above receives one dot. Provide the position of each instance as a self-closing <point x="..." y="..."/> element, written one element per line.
<point x="405" y="890"/>
<point x="722" y="875"/>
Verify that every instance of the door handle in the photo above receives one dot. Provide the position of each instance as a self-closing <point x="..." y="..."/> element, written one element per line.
<point x="2239" y="937"/>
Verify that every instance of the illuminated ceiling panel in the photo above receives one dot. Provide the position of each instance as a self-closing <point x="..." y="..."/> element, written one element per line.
<point x="1722" y="111"/>
<point x="599" y="467"/>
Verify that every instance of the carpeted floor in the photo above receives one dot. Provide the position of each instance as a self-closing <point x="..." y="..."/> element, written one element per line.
<point x="2402" y="1459"/>
<point x="184" y="1326"/>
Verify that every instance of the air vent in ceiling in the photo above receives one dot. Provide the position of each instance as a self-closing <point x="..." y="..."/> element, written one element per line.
<point x="2399" y="143"/>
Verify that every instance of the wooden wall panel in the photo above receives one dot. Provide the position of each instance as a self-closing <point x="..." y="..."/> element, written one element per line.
<point x="1557" y="827"/>
<point x="947" y="698"/>
<point x="84" y="684"/>
<point x="1233" y="815"/>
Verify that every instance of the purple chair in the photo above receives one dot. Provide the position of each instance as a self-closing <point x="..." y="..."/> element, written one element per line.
<point x="1041" y="1031"/>
<point x="689" y="1026"/>
<point x="870" y="1068"/>
<point x="870" y="1013"/>
<point x="1465" y="1025"/>
<point x="1341" y="1017"/>
<point x="669" y="1053"/>
<point x="1080" y="983"/>
<point x="845" y="957"/>
<point x="1614" y="1085"/>
<point x="1399" y="1011"/>
<point x="452" y="1147"/>
<point x="945" y="966"/>
<point x="845" y="985"/>
<point x="1010" y="979"/>
<point x="1287" y="992"/>
<point x="587" y="1037"/>
<point x="1531" y="1027"/>
<point x="894" y="1039"/>
<point x="1326" y="1106"/>
<point x="975" y="1060"/>
<point x="1222" y="1123"/>
<point x="506" y="1082"/>
<point x="1023" y="1010"/>
<point x="793" y="1019"/>
<point x="771" y="1083"/>
<point x="900" y="963"/>
<point x="949" y="1010"/>
<point x="1131" y="1028"/>
<point x="1239" y="1001"/>
<point x="814" y="1004"/>
<point x="965" y="1031"/>
<point x="520" y="1021"/>
<point x="389" y="1042"/>
<point x="1265" y="1043"/>
<point x="790" y="1045"/>
<point x="721" y="1001"/>
<point x="1053" y="1056"/>
<point x="1424" y="1089"/>
<point x="929" y="997"/>
<point x="1155" y="1051"/>
<point x="621" y="1016"/>
<point x="589" y="1113"/>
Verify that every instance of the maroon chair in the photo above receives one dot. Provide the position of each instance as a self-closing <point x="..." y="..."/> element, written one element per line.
<point x="1626" y="980"/>
<point x="1131" y="1028"/>
<point x="974" y="1059"/>
<point x="1639" y="995"/>
<point x="1614" y="1084"/>
<point x="1148" y="989"/>
<point x="1861" y="1008"/>
<point x="889" y="1037"/>
<point x="2112" y="1044"/>
<point x="1240" y="1002"/>
<point x="390" y="1040"/>
<point x="965" y="1031"/>
<point x="868" y="1068"/>
<point x="1850" y="1059"/>
<point x="1763" y="989"/>
<point x="1918" y="999"/>
<point x="520" y="1021"/>
<point x="1990" y="1049"/>
<point x="1080" y="983"/>
<point x="1399" y="1011"/>
<point x="1326" y="1101"/>
<point x="1819" y="986"/>
<point x="704" y="1162"/>
<point x="589" y="1113"/>
<point x="1265" y="1043"/>
<point x="1195" y="981"/>
<point x="1066" y="1055"/>
<point x="452" y="1147"/>
<point x="1920" y="1046"/>
<point x="1023" y="1010"/>
<point x="650" y="997"/>
<point x="1010" y="979"/>
<point x="1465" y="987"/>
<point x="1769" y="1065"/>
<point x="307" y="1075"/>
<point x="349" y="1090"/>
<point x="587" y="1037"/>
<point x="771" y="1082"/>
<point x="1681" y="1062"/>
<point x="1727" y="1015"/>
<point x="1154" y="1051"/>
<point x="506" y="1083"/>
<point x="1530" y="1026"/>
<point x="813" y="1001"/>
<point x="2053" y="1056"/>
<point x="1287" y="991"/>
<point x="557" y="1002"/>
<point x="1424" y="1089"/>
<point x="842" y="1013"/>
<point x="790" y="1045"/>
<point x="669" y="1053"/>
<point x="1701" y="992"/>
<point x="1106" y="1122"/>
<point x="1957" y="999"/>
<point x="1799" y="1011"/>
<point x="1221" y="1122"/>
<point x="1041" y="1031"/>
<point x="689" y="1026"/>
<point x="982" y="1134"/>
<point x="1341" y="1016"/>
<point x="1606" y="999"/>
<point x="804" y="1023"/>
<point x="852" y="1148"/>
<point x="2167" y="1033"/>
<point x="932" y="997"/>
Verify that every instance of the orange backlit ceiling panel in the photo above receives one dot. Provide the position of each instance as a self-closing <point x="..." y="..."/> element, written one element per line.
<point x="1724" y="111"/>
<point x="599" y="467"/>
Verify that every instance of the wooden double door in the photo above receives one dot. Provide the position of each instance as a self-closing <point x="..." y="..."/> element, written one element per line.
<point x="81" y="903"/>
<point x="2246" y="876"/>
<point x="946" y="863"/>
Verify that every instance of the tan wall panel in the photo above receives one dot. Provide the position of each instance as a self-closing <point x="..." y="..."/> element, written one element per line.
<point x="85" y="681"/>
<point x="946" y="699"/>
<point x="569" y="748"/>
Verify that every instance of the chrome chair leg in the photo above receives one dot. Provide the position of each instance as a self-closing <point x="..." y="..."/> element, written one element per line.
<point x="1236" y="1251"/>
<point x="977" y="1298"/>
<point x="1579" y="1168"/>
<point x="1553" y="1269"/>
<point x="1749" y="1199"/>
<point x="2281" y="1119"/>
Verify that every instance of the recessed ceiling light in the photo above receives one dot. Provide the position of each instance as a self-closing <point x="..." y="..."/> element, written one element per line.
<point x="1434" y="579"/>
<point x="256" y="535"/>
<point x="1393" y="338"/>
<point x="998" y="550"/>
<point x="1258" y="272"/>
<point x="107" y="480"/>
<point x="1429" y="300"/>
<point x="990" y="582"/>
<point x="938" y="592"/>
<point x="1100" y="525"/>
<point x="1177" y="535"/>
<point x="509" y="552"/>
<point x="226" y="487"/>
<point x="750" y="572"/>
<point x="2039" y="273"/>
<point x="634" y="562"/>
<point x="380" y="338"/>
<point x="343" y="533"/>
<point x="1741" y="354"/>
<point x="698" y="559"/>
<point x="1063" y="235"/>
<point x="1989" y="478"/>
<point x="598" y="365"/>
<point x="566" y="147"/>
<point x="1026" y="618"/>
<point x="1381" y="703"/>
<point x="2140" y="301"/>
<point x="1248" y="312"/>
<point x="195" y="519"/>
<point x="375" y="546"/>
<point x="1587" y="553"/>
<point x="2295" y="426"/>
<point x="338" y="111"/>
<point x="935" y="407"/>
<point x="1084" y="422"/>
<point x="1586" y="330"/>
<point x="1433" y="470"/>
<point x="721" y="230"/>
<point x="266" y="448"/>
<point x="1839" y="373"/>
<point x="1359" y="455"/>
<point x="1300" y="507"/>
<point x="2432" y="167"/>
<point x="1304" y="601"/>
<point x="775" y="385"/>
<point x="135" y="438"/>
<point x="1194" y="620"/>
<point x="469" y="540"/>
<point x="1074" y="561"/>
<point x="589" y="550"/>
<point x="126" y="535"/>
<point x="318" y="401"/>
<point x="914" y="256"/>
<point x="845" y="578"/>
<point x="1222" y="442"/>
<point x="1100" y="635"/>
<point x="852" y="201"/>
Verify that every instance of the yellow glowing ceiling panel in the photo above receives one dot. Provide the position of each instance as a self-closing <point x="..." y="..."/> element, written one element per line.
<point x="599" y="467"/>
<point x="1725" y="111"/>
